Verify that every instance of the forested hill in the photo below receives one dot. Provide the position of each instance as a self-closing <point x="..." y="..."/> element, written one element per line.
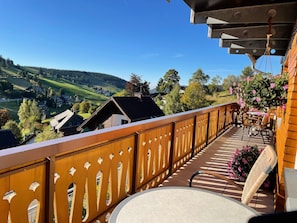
<point x="15" y="80"/>
<point x="81" y="77"/>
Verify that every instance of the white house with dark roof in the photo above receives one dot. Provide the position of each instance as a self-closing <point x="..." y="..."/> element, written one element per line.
<point x="121" y="110"/>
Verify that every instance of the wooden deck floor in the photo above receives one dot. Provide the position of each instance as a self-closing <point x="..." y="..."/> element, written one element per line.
<point x="215" y="158"/>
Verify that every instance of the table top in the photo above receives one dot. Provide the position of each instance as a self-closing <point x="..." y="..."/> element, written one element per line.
<point x="256" y="113"/>
<point x="180" y="205"/>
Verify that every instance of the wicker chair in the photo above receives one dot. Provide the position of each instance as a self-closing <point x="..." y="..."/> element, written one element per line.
<point x="258" y="174"/>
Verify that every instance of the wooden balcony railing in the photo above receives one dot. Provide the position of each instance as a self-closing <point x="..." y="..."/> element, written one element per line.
<point x="81" y="178"/>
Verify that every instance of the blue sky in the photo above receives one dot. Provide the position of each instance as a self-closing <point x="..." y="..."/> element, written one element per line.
<point x="119" y="37"/>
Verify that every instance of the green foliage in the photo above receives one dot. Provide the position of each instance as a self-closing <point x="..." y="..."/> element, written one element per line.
<point x="247" y="72"/>
<point x="242" y="161"/>
<point x="15" y="129"/>
<point x="47" y="135"/>
<point x="166" y="84"/>
<point x="262" y="91"/>
<point x="4" y="116"/>
<point x="72" y="89"/>
<point x="5" y="86"/>
<point x="84" y="106"/>
<point x="137" y="85"/>
<point x="200" y="77"/>
<point x="229" y="80"/>
<point x="173" y="101"/>
<point x="194" y="97"/>
<point x="29" y="113"/>
<point x="75" y="107"/>
<point x="214" y="86"/>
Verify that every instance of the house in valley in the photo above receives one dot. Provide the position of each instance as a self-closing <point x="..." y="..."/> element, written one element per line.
<point x="121" y="110"/>
<point x="66" y="122"/>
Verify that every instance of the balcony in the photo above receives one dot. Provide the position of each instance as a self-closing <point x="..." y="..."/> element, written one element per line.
<point x="81" y="178"/>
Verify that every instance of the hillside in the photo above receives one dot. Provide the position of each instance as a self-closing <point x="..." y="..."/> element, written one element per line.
<point x="96" y="87"/>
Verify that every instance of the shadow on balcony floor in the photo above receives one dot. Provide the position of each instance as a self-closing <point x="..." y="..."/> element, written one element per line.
<point x="215" y="158"/>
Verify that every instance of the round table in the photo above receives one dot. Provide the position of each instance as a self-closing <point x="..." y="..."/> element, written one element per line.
<point x="180" y="204"/>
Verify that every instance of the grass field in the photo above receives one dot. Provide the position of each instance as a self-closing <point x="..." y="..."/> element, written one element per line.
<point x="12" y="107"/>
<point x="72" y="89"/>
<point x="221" y="98"/>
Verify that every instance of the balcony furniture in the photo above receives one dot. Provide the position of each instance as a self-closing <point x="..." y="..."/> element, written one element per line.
<point x="259" y="172"/>
<point x="257" y="123"/>
<point x="180" y="204"/>
<point x="290" y="177"/>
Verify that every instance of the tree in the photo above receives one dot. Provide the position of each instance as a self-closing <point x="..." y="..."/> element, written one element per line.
<point x="136" y="85"/>
<point x="29" y="113"/>
<point x="173" y="104"/>
<point x="84" y="106"/>
<point x="194" y="97"/>
<point x="229" y="81"/>
<point x="4" y="116"/>
<point x="200" y="77"/>
<point x="214" y="85"/>
<point x="15" y="129"/>
<point x="5" y="86"/>
<point x="247" y="72"/>
<point x="168" y="82"/>
<point x="47" y="135"/>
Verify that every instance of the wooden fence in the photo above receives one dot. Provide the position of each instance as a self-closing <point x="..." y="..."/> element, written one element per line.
<point x="81" y="178"/>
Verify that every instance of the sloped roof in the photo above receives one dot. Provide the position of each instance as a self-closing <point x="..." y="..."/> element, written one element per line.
<point x="134" y="108"/>
<point x="138" y="108"/>
<point x="66" y="122"/>
<point x="7" y="139"/>
<point x="59" y="120"/>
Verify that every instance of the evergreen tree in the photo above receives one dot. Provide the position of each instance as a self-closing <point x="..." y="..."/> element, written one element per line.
<point x="200" y="77"/>
<point x="166" y="84"/>
<point x="247" y="72"/>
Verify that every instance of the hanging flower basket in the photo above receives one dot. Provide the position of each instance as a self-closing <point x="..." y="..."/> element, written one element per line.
<point x="262" y="91"/>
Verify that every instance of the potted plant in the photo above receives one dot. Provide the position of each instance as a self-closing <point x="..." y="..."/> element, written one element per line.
<point x="242" y="161"/>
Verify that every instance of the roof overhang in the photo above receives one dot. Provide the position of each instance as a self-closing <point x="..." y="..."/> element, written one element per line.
<point x="242" y="26"/>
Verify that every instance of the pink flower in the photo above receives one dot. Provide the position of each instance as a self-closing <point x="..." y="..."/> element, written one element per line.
<point x="244" y="161"/>
<point x="286" y="87"/>
<point x="231" y="90"/>
<point x="258" y="99"/>
<point x="272" y="85"/>
<point x="248" y="79"/>
<point x="254" y="92"/>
